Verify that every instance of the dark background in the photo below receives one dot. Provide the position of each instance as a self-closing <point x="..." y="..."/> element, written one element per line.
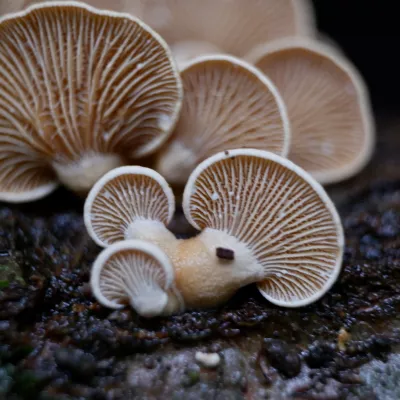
<point x="368" y="31"/>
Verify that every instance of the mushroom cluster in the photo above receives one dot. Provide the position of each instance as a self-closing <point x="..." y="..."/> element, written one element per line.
<point x="84" y="91"/>
<point x="235" y="101"/>
<point x="262" y="220"/>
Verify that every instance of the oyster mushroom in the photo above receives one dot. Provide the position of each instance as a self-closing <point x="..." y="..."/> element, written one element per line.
<point x="227" y="104"/>
<point x="137" y="272"/>
<point x="233" y="26"/>
<point x="82" y="91"/>
<point x="129" y="202"/>
<point x="263" y="220"/>
<point x="328" y="106"/>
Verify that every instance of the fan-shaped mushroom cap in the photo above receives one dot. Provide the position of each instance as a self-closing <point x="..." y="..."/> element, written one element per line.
<point x="328" y="106"/>
<point x="276" y="210"/>
<point x="234" y="26"/>
<point x="227" y="104"/>
<point x="139" y="272"/>
<point x="187" y="50"/>
<point x="82" y="91"/>
<point x="123" y="196"/>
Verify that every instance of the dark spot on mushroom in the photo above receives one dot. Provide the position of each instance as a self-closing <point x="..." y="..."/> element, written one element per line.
<point x="226" y="152"/>
<point x="225" y="254"/>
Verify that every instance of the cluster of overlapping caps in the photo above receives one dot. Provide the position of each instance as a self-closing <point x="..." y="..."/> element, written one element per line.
<point x="235" y="101"/>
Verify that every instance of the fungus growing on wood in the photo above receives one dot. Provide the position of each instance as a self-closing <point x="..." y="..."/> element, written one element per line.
<point x="227" y="104"/>
<point x="277" y="221"/>
<point x="328" y="106"/>
<point x="82" y="91"/>
<point x="138" y="273"/>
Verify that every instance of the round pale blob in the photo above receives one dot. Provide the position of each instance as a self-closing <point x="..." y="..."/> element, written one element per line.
<point x="82" y="91"/>
<point x="122" y="196"/>
<point x="234" y="26"/>
<point x="328" y="106"/>
<point x="134" y="272"/>
<point x="279" y="212"/>
<point x="227" y="104"/>
<point x="185" y="51"/>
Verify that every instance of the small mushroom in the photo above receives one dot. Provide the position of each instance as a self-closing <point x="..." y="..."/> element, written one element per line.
<point x="129" y="202"/>
<point x="227" y="104"/>
<point x="288" y="233"/>
<point x="328" y="105"/>
<point x="233" y="26"/>
<point x="278" y="222"/>
<point x="136" y="272"/>
<point x="82" y="91"/>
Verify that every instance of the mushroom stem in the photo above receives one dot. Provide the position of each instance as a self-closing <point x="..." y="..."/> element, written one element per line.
<point x="81" y="175"/>
<point x="176" y="162"/>
<point x="150" y="231"/>
<point x="201" y="277"/>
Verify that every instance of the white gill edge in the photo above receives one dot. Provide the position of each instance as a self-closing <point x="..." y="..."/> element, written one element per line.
<point x="117" y="172"/>
<point x="137" y="245"/>
<point x="266" y="155"/>
<point x="123" y="16"/>
<point x="341" y="62"/>
<point x="267" y="82"/>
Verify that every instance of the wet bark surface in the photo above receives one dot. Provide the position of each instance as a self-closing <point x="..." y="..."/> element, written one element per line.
<point x="56" y="342"/>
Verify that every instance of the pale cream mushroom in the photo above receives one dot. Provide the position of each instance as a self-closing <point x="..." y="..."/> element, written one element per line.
<point x="186" y="51"/>
<point x="82" y="91"/>
<point x="138" y="273"/>
<point x="10" y="6"/>
<point x="328" y="105"/>
<point x="227" y="104"/>
<point x="262" y="220"/>
<point x="233" y="26"/>
<point x="129" y="202"/>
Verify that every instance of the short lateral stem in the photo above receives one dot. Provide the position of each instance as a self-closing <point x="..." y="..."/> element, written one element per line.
<point x="81" y="175"/>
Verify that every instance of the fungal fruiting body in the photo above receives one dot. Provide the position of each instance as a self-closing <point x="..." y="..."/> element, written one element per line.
<point x="328" y="106"/>
<point x="137" y="272"/>
<point x="82" y="92"/>
<point x="227" y="104"/>
<point x="187" y="50"/>
<point x="262" y="220"/>
<point x="233" y="26"/>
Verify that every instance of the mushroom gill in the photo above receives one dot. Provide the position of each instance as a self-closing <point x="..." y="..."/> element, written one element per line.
<point x="82" y="91"/>
<point x="262" y="220"/>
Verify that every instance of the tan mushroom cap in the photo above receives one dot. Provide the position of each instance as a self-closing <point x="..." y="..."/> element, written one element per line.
<point x="234" y="26"/>
<point x="9" y="6"/>
<point x="276" y="210"/>
<point x="82" y="91"/>
<point x="122" y="196"/>
<point x="137" y="272"/>
<point x="328" y="106"/>
<point x="227" y="104"/>
<point x="186" y="51"/>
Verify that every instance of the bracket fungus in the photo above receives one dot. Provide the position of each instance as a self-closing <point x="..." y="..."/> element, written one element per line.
<point x="328" y="105"/>
<point x="233" y="26"/>
<point x="82" y="91"/>
<point x="137" y="272"/>
<point x="271" y="221"/>
<point x="227" y="104"/>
